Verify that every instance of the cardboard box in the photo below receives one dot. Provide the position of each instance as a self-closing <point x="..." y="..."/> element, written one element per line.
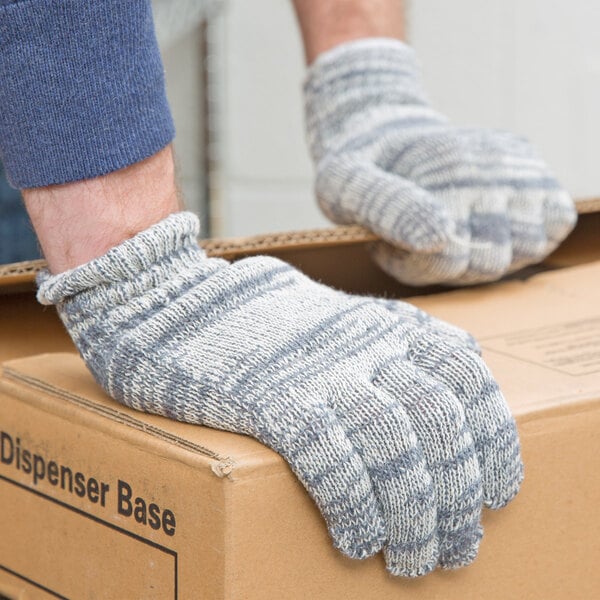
<point x="99" y="501"/>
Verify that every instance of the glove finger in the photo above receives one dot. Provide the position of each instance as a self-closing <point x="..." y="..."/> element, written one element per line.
<point x="490" y="249"/>
<point x="417" y="269"/>
<point x="440" y="425"/>
<point x="528" y="231"/>
<point x="487" y="414"/>
<point x="480" y="251"/>
<point x="536" y="197"/>
<point x="560" y="217"/>
<point x="351" y="190"/>
<point x="540" y="220"/>
<point x="311" y="439"/>
<point x="447" y="266"/>
<point x="378" y="426"/>
<point x="418" y="318"/>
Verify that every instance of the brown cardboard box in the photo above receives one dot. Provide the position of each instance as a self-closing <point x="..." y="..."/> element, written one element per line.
<point x="99" y="501"/>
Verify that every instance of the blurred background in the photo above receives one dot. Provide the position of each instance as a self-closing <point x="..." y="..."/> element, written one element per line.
<point x="234" y="74"/>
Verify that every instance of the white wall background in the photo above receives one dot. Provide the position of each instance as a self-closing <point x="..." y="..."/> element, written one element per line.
<point x="182" y="58"/>
<point x="266" y="176"/>
<point x="532" y="66"/>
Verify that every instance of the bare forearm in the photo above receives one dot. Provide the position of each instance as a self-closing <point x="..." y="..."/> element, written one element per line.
<point x="77" y="222"/>
<point x="327" y="24"/>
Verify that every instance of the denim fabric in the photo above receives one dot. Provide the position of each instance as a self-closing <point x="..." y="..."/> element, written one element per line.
<point x="81" y="89"/>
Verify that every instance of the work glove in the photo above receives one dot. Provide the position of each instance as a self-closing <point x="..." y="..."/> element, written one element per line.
<point x="388" y="417"/>
<point x="452" y="204"/>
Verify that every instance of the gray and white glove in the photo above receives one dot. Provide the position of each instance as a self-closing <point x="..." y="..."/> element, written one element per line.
<point x="454" y="205"/>
<point x="388" y="417"/>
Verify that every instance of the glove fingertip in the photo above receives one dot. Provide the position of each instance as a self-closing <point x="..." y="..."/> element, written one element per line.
<point x="509" y="493"/>
<point x="427" y="228"/>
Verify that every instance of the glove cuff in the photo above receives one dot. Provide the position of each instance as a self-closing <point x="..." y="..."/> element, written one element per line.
<point x="353" y="78"/>
<point x="128" y="270"/>
<point x="364" y="48"/>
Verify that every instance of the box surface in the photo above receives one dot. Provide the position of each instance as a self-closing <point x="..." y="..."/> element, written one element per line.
<point x="100" y="501"/>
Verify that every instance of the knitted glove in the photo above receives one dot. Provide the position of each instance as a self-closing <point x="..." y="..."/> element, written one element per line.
<point x="332" y="382"/>
<point x="455" y="205"/>
<point x="451" y="356"/>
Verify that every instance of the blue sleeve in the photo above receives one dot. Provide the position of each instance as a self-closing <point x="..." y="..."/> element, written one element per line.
<point x="82" y="89"/>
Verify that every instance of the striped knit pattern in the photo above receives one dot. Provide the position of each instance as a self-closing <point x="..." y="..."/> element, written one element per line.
<point x="389" y="436"/>
<point x="453" y="204"/>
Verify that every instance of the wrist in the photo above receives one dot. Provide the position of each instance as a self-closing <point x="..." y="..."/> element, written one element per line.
<point x="365" y="49"/>
<point x="165" y="254"/>
<point x="326" y="25"/>
<point x="78" y="222"/>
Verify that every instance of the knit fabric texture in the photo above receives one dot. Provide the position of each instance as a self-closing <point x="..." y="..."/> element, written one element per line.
<point x="388" y="417"/>
<point x="82" y="90"/>
<point x="453" y="204"/>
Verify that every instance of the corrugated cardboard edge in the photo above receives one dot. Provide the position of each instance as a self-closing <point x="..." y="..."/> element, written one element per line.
<point x="587" y="205"/>
<point x="137" y="428"/>
<point x="23" y="273"/>
<point x="297" y="240"/>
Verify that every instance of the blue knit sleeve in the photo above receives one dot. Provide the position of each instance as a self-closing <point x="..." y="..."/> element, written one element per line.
<point x="82" y="89"/>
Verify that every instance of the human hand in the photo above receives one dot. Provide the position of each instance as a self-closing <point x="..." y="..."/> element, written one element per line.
<point x="452" y="204"/>
<point x="388" y="417"/>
